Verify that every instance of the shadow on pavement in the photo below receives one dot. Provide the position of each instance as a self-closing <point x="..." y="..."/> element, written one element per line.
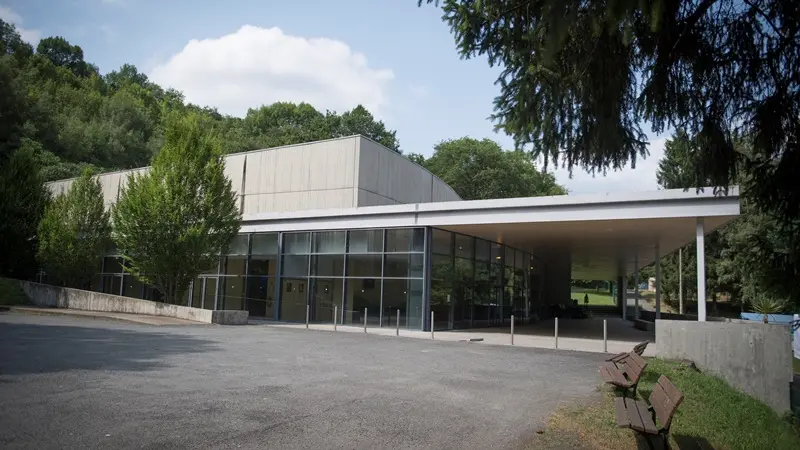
<point x="33" y="348"/>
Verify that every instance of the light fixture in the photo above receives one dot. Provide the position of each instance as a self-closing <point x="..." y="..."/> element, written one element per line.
<point x="362" y="290"/>
<point x="497" y="257"/>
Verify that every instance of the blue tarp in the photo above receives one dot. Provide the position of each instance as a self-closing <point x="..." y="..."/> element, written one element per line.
<point x="773" y="318"/>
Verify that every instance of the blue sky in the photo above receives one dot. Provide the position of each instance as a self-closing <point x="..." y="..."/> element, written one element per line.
<point x="395" y="58"/>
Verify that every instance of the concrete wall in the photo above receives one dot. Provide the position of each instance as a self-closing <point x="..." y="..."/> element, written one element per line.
<point x="753" y="357"/>
<point x="386" y="177"/>
<point x="59" y="297"/>
<point x="335" y="173"/>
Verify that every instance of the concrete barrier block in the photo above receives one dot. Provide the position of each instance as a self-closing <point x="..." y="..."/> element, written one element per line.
<point x="60" y="297"/>
<point x="753" y="357"/>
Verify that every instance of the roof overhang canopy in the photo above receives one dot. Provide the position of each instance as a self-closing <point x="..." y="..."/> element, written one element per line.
<point x="605" y="235"/>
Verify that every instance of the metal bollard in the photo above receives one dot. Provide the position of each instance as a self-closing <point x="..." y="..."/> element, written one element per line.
<point x="308" y="310"/>
<point x="431" y="324"/>
<point x="605" y="336"/>
<point x="556" y="332"/>
<point x="335" y="314"/>
<point x="365" y="320"/>
<point x="512" y="329"/>
<point x="397" y="333"/>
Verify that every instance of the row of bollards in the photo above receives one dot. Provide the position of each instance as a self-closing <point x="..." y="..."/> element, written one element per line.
<point x="397" y="330"/>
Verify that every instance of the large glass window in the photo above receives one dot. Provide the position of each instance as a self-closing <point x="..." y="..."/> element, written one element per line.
<point x="327" y="265"/>
<point x="296" y="243"/>
<point x="329" y="242"/>
<point x="404" y="296"/>
<point x="361" y="294"/>
<point x="265" y="244"/>
<point x="366" y="241"/>
<point x="403" y="265"/>
<point x="239" y="245"/>
<point x="295" y="266"/>
<point x="405" y="240"/>
<point x="364" y="265"/>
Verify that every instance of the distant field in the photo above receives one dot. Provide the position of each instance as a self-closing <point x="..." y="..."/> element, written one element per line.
<point x="595" y="298"/>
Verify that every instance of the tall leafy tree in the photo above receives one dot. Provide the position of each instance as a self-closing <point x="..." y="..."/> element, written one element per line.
<point x="63" y="54"/>
<point x="171" y="223"/>
<point x="481" y="169"/>
<point x="579" y="78"/>
<point x="22" y="199"/>
<point x="74" y="233"/>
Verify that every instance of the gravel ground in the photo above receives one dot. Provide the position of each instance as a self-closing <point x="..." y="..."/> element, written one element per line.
<point x="89" y="383"/>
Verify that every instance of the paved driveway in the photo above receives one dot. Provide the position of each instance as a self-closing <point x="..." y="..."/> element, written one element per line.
<point x="88" y="383"/>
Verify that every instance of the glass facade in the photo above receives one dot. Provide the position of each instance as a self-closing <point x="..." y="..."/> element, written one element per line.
<point x="470" y="282"/>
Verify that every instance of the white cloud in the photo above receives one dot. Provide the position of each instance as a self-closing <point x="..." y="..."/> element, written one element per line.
<point x="256" y="66"/>
<point x="642" y="178"/>
<point x="28" y="35"/>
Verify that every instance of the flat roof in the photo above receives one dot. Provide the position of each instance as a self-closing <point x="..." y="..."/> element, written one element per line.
<point x="605" y="235"/>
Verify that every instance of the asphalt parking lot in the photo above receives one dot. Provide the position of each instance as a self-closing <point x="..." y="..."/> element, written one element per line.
<point x="88" y="383"/>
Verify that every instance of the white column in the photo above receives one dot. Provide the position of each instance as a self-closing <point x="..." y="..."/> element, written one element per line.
<point x="701" y="271"/>
<point x="680" y="281"/>
<point x="658" y="282"/>
<point x="636" y="286"/>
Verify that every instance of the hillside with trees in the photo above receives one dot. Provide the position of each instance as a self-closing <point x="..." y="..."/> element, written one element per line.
<point x="61" y="117"/>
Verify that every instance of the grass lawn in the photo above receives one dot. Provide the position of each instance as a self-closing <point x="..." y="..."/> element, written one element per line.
<point x="595" y="298"/>
<point x="11" y="294"/>
<point x="712" y="415"/>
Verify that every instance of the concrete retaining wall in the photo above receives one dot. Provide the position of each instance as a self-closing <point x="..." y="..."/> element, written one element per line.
<point x="60" y="297"/>
<point x="755" y="358"/>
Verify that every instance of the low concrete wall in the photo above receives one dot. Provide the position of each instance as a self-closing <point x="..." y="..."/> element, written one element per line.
<point x="60" y="297"/>
<point x="753" y="357"/>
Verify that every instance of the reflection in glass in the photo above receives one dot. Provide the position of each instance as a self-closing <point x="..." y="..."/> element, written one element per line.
<point x="239" y="245"/>
<point x="405" y="240"/>
<point x="263" y="265"/>
<point x="260" y="296"/>
<point x="295" y="266"/>
<point x="366" y="241"/>
<point x="264" y="244"/>
<point x="296" y="243"/>
<point x="406" y="296"/>
<point x="362" y="293"/>
<point x="211" y="292"/>
<point x="441" y="242"/>
<point x="232" y="293"/>
<point x="464" y="246"/>
<point x="329" y="242"/>
<point x="403" y="265"/>
<point x="364" y="265"/>
<point x="131" y="287"/>
<point x="326" y="295"/>
<point x="327" y="265"/>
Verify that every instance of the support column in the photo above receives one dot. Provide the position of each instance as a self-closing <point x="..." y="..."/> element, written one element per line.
<point x="701" y="271"/>
<point x="658" y="282"/>
<point x="621" y="294"/>
<point x="625" y="297"/>
<point x="636" y="286"/>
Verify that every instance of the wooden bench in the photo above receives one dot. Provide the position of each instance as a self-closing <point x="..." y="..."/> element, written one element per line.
<point x="624" y="376"/>
<point x="638" y="349"/>
<point x="638" y="416"/>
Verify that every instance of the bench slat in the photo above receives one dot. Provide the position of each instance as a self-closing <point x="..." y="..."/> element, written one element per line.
<point x="618" y="378"/>
<point x="665" y="400"/>
<point x="639" y="348"/>
<point x="621" y="413"/>
<point x="605" y="374"/>
<point x="647" y="418"/>
<point x="633" y="414"/>
<point x="617" y="358"/>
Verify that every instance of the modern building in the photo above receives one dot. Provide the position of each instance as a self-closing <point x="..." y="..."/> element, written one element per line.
<point x="346" y="226"/>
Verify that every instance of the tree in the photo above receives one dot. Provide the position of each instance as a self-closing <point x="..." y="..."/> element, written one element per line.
<point x="63" y="54"/>
<point x="482" y="170"/>
<point x="360" y="121"/>
<point x="74" y="233"/>
<point x="22" y="200"/>
<point x="579" y="78"/>
<point x="171" y="223"/>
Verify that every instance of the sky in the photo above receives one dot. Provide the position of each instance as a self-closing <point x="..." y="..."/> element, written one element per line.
<point x="395" y="58"/>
